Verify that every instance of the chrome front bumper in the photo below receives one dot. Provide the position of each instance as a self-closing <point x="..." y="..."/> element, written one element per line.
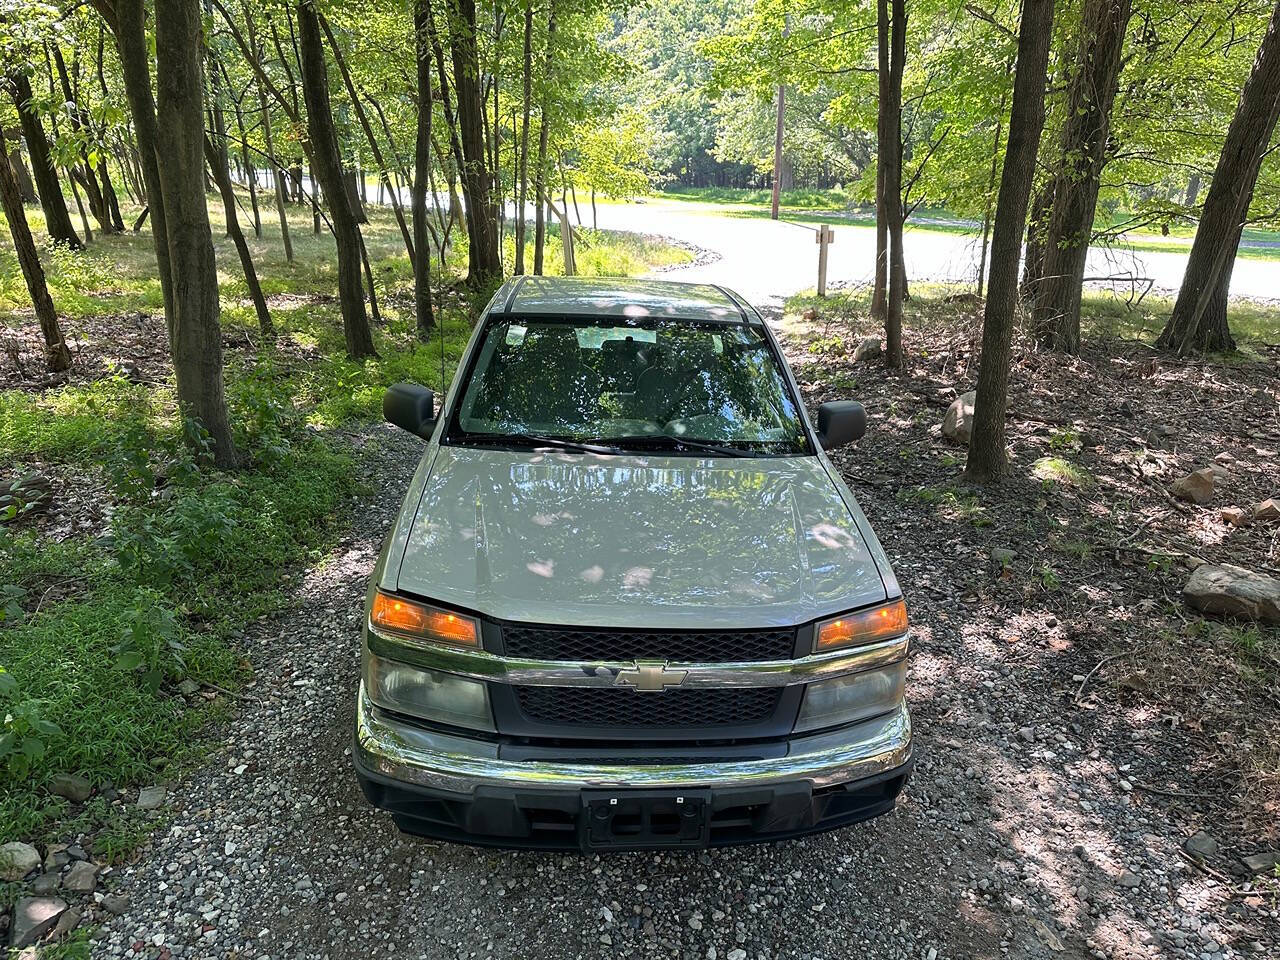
<point x="410" y="754"/>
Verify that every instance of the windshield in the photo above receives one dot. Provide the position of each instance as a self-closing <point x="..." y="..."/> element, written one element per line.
<point x="655" y="385"/>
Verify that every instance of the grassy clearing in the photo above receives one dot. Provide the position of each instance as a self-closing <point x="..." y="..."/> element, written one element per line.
<point x="100" y="628"/>
<point x="1104" y="316"/>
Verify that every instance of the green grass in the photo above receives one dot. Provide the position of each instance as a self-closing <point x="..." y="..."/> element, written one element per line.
<point x="96" y="632"/>
<point x="803" y="198"/>
<point x="844" y="315"/>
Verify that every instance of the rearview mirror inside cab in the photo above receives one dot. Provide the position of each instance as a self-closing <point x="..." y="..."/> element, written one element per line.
<point x="410" y="407"/>
<point x="840" y="422"/>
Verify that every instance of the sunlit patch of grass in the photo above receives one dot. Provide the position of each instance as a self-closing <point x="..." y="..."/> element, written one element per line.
<point x="1062" y="472"/>
<point x="949" y="503"/>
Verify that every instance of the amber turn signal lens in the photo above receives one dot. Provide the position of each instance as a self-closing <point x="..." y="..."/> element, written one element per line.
<point x="418" y="620"/>
<point x="866" y="626"/>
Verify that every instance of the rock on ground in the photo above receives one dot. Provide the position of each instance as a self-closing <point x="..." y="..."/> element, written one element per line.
<point x="74" y="788"/>
<point x="958" y="422"/>
<point x="1196" y="487"/>
<point x="1233" y="591"/>
<point x="17" y="860"/>
<point x="33" y="917"/>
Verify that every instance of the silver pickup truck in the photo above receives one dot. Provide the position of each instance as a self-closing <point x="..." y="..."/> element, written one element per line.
<point x="628" y="602"/>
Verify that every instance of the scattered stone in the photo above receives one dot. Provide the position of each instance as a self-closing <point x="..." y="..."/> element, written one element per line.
<point x="1234" y="592"/>
<point x="56" y="857"/>
<point x="1236" y="516"/>
<point x="81" y="878"/>
<point x="74" y="788"/>
<point x="1003" y="555"/>
<point x="115" y="903"/>
<point x="1201" y="845"/>
<point x="150" y="798"/>
<point x="1195" y="487"/>
<point x="1268" y="511"/>
<point x="66" y="923"/>
<point x="1028" y="734"/>
<point x="1161" y="436"/>
<point x="867" y="349"/>
<point x="45" y="883"/>
<point x="958" y="422"/>
<point x="737" y="953"/>
<point x="188" y="687"/>
<point x="17" y="859"/>
<point x="33" y="917"/>
<point x="77" y="852"/>
<point x="1129" y="880"/>
<point x="1261" y="862"/>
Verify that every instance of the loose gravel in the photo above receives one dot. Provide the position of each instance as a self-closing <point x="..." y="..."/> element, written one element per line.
<point x="1016" y="837"/>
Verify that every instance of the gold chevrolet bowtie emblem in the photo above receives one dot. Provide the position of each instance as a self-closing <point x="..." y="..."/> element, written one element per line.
<point x="650" y="676"/>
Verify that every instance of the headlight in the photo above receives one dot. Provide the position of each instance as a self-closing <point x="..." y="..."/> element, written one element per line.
<point x="830" y="703"/>
<point x="865" y="626"/>
<point x="417" y="621"/>
<point x="428" y="694"/>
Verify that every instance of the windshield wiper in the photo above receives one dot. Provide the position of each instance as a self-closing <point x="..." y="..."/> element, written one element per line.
<point x="537" y="440"/>
<point x="659" y="440"/>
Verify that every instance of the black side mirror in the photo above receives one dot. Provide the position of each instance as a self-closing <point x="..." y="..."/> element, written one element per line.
<point x="840" y="422"/>
<point x="410" y="407"/>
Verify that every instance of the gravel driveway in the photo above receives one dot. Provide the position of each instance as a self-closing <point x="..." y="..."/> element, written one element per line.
<point x="1016" y="838"/>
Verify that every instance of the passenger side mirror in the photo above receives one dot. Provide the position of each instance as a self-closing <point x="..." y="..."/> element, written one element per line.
<point x="840" y="422"/>
<point x="410" y="407"/>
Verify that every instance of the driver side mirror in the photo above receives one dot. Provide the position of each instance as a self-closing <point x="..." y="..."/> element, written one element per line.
<point x="410" y="407"/>
<point x="840" y="422"/>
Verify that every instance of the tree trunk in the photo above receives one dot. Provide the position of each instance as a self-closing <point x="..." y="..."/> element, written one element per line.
<point x="223" y="180"/>
<point x="56" y="354"/>
<point x="363" y="117"/>
<point x="426" y="321"/>
<point x="780" y="107"/>
<point x="523" y="176"/>
<point x="80" y="126"/>
<point x="1199" y="319"/>
<point x="72" y="178"/>
<point x="197" y="337"/>
<point x="127" y="20"/>
<point x="251" y="174"/>
<point x="880" y="292"/>
<point x="1193" y="190"/>
<point x="1056" y="317"/>
<point x="327" y="168"/>
<point x="277" y="174"/>
<point x="56" y="216"/>
<point x="26" y="189"/>
<point x="1037" y="225"/>
<point x="540" y="173"/>
<point x="352" y="184"/>
<point x="893" y="189"/>
<point x="986" y="213"/>
<point x="487" y="264"/>
<point x="987" y="460"/>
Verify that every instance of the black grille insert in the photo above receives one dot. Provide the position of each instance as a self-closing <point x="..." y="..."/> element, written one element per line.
<point x="691" y="646"/>
<point x="622" y="707"/>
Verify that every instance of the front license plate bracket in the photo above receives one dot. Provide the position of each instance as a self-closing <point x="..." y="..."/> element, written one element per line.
<point x="645" y="819"/>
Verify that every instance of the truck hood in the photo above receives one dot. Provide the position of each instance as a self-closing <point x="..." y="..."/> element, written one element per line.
<point x="635" y="541"/>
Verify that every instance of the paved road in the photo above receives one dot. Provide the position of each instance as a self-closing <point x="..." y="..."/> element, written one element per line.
<point x="766" y="261"/>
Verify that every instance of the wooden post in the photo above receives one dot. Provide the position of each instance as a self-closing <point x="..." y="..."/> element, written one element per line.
<point x="824" y="238"/>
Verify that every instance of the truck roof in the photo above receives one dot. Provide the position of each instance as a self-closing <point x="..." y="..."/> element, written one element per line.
<point x="620" y="297"/>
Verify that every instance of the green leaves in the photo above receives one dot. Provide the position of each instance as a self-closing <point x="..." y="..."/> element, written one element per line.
<point x="25" y="734"/>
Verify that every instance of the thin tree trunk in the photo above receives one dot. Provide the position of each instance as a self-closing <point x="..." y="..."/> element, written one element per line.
<point x="991" y="185"/>
<point x="197" y="337"/>
<point x="363" y="117"/>
<point x="780" y="106"/>
<point x="893" y="189"/>
<point x="1037" y="225"/>
<point x="487" y="263"/>
<point x="251" y="175"/>
<point x="423" y="313"/>
<point x="57" y="356"/>
<point x="72" y="178"/>
<point x="127" y="20"/>
<point x="223" y="180"/>
<point x="56" y="216"/>
<point x="327" y="168"/>
<point x="1056" y="317"/>
<point x="1199" y="319"/>
<point x="79" y="126"/>
<point x="987" y="459"/>
<point x="880" y="290"/>
<point x="540" y="173"/>
<point x="523" y="177"/>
